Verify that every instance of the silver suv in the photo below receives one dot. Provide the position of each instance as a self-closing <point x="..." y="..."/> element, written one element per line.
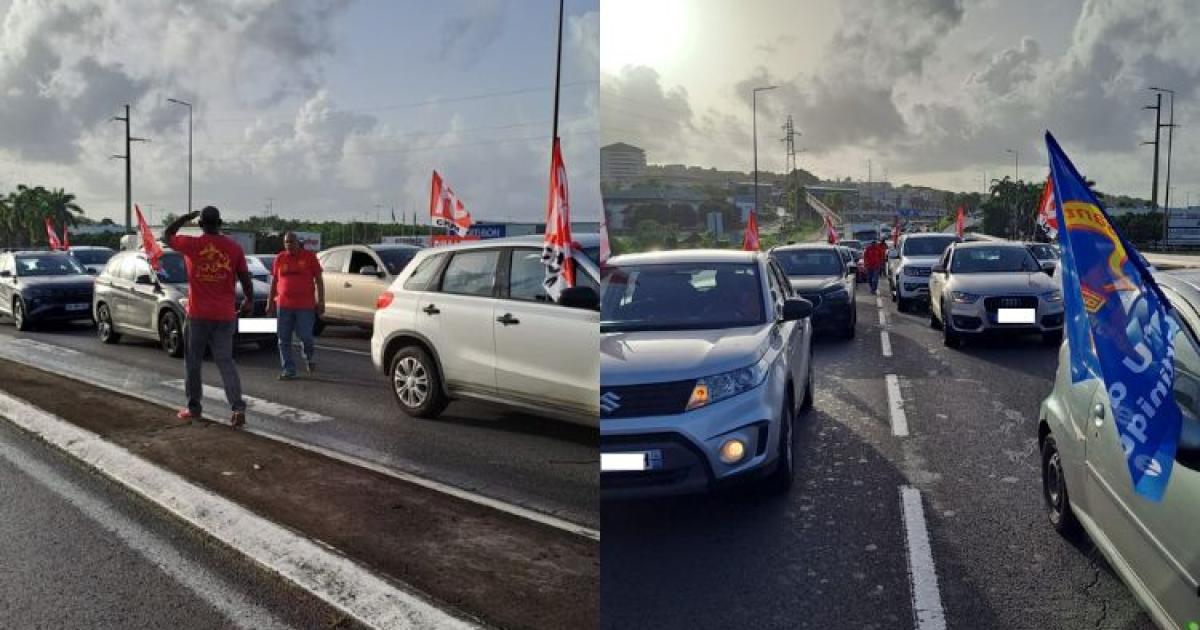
<point x="1086" y="482"/>
<point x="909" y="264"/>
<point x="705" y="361"/>
<point x="474" y="321"/>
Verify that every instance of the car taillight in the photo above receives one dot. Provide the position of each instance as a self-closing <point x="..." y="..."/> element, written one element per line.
<point x="384" y="300"/>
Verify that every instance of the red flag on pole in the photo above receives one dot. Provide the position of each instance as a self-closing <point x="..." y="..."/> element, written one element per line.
<point x="605" y="247"/>
<point x="750" y="238"/>
<point x="51" y="236"/>
<point x="895" y="232"/>
<point x="446" y="209"/>
<point x="153" y="250"/>
<point x="830" y="232"/>
<point x="556" y="246"/>
<point x="958" y="223"/>
<point x="1047" y="216"/>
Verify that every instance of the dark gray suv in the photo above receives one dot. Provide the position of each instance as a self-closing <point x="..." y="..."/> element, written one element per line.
<point x="130" y="299"/>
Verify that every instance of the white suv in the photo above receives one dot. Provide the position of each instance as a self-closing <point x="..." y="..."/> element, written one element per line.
<point x="909" y="264"/>
<point x="473" y="321"/>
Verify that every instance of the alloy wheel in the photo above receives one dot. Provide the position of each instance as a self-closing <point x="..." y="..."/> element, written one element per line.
<point x="411" y="382"/>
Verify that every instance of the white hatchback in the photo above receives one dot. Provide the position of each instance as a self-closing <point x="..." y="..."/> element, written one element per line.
<point x="473" y="321"/>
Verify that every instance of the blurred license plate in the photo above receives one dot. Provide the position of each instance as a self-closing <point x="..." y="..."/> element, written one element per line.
<point x="615" y="462"/>
<point x="1015" y="316"/>
<point x="257" y="325"/>
<point x="78" y="307"/>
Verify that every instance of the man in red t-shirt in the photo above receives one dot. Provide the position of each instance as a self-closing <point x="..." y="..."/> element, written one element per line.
<point x="214" y="263"/>
<point x="873" y="259"/>
<point x="299" y="293"/>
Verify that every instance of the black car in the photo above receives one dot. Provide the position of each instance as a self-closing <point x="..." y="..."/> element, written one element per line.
<point x="43" y="287"/>
<point x="131" y="299"/>
<point x="821" y="275"/>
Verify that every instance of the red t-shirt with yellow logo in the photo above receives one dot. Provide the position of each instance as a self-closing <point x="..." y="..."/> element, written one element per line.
<point x="213" y="263"/>
<point x="295" y="279"/>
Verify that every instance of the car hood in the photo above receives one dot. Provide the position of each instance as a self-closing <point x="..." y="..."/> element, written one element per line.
<point x="630" y="358"/>
<point x="809" y="284"/>
<point x="1018" y="283"/>
<point x="82" y="281"/>
<point x="920" y="261"/>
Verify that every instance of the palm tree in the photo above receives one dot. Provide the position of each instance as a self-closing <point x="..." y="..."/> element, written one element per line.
<point x="61" y="207"/>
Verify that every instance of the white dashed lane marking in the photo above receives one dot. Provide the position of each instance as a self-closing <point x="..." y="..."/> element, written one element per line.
<point x="896" y="406"/>
<point x="926" y="598"/>
<point x="885" y="342"/>
<point x="882" y="318"/>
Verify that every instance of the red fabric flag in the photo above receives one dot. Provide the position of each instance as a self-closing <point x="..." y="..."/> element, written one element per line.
<point x="750" y="238"/>
<point x="958" y="223"/>
<point x="66" y="244"/>
<point x="556" y="246"/>
<point x="605" y="247"/>
<point x="896" y="232"/>
<point x="1047" y="217"/>
<point x="153" y="250"/>
<point x="446" y="209"/>
<point x="53" y="238"/>
<point x="830" y="232"/>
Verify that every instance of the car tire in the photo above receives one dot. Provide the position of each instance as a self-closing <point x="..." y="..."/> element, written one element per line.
<point x="1052" y="338"/>
<point x="415" y="366"/>
<point x="104" y="325"/>
<point x="1055" y="496"/>
<point x="934" y="323"/>
<point x="850" y="330"/>
<point x="19" y="315"/>
<point x="950" y="337"/>
<point x="902" y="304"/>
<point x="170" y="334"/>
<point x="806" y="403"/>
<point x="781" y="478"/>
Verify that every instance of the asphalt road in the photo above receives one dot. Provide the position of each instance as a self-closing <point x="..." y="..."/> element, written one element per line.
<point x="346" y="406"/>
<point x="833" y="553"/>
<point x="80" y="552"/>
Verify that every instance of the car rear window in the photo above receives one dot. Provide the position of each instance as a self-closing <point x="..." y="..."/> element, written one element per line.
<point x="680" y="296"/>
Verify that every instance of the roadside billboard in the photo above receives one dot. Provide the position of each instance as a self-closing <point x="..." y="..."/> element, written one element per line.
<point x="310" y="240"/>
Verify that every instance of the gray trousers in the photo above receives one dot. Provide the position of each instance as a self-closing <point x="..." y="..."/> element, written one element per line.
<point x="202" y="334"/>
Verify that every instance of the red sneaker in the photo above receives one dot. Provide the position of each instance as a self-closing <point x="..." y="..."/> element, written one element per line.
<point x="238" y="419"/>
<point x="186" y="414"/>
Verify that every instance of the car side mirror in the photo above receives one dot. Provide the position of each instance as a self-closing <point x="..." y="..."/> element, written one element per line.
<point x="796" y="308"/>
<point x="144" y="279"/>
<point x="580" y="297"/>
<point x="1049" y="266"/>
<point x="5" y="274"/>
<point x="369" y="270"/>
<point x="937" y="268"/>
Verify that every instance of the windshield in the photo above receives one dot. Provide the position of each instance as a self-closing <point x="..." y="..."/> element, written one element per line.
<point x="48" y="265"/>
<point x="267" y="261"/>
<point x="993" y="260"/>
<point x="927" y="246"/>
<point x="682" y="296"/>
<point x="256" y="267"/>
<point x="174" y="269"/>
<point x="1044" y="252"/>
<point x="396" y="259"/>
<point x="92" y="256"/>
<point x="809" y="262"/>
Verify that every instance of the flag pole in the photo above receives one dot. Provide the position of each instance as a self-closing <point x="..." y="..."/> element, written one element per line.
<point x="557" y="78"/>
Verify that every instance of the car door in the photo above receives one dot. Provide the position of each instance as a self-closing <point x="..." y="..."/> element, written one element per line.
<point x="457" y="318"/>
<point x="6" y="283"/>
<point x="333" y="270"/>
<point x="362" y="290"/>
<point x="1157" y="540"/>
<point x="543" y="349"/>
<point x="938" y="282"/>
<point x="142" y="298"/>
<point x="122" y="288"/>
<point x="798" y="333"/>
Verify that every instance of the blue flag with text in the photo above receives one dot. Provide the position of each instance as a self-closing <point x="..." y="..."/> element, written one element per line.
<point x="1120" y="327"/>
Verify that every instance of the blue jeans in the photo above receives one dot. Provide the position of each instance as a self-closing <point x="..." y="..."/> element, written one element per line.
<point x="873" y="279"/>
<point x="300" y="322"/>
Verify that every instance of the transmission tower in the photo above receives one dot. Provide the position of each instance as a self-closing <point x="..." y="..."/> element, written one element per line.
<point x="789" y="143"/>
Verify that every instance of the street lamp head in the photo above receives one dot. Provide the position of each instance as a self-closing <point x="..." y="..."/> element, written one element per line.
<point x="179" y="102"/>
<point x="765" y="88"/>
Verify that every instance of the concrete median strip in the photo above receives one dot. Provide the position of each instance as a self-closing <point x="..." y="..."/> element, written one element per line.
<point x="332" y="577"/>
<point x="885" y="343"/>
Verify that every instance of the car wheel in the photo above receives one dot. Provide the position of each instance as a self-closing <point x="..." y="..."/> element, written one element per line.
<point x="950" y="337"/>
<point x="806" y="403"/>
<point x="20" y="317"/>
<point x="1054" y="491"/>
<point x="416" y="384"/>
<point x="785" y="465"/>
<point x="104" y="325"/>
<point x="902" y="304"/>
<point x="1052" y="338"/>
<point x="895" y="293"/>
<point x="170" y="334"/>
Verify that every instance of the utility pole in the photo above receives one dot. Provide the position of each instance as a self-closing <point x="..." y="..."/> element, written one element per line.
<point x="270" y="207"/>
<point x="1170" y="137"/>
<point x="1157" y="107"/>
<point x="128" y="170"/>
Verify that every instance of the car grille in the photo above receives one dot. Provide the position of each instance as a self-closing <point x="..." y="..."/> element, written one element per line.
<point x="917" y="272"/>
<point x="1010" y="301"/>
<point x="656" y="399"/>
<point x="84" y="295"/>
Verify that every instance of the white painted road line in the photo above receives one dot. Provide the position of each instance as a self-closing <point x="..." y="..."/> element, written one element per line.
<point x="38" y="346"/>
<point x="362" y="353"/>
<point x="885" y="342"/>
<point x="926" y="599"/>
<point x="258" y="405"/>
<point x="882" y="318"/>
<point x="342" y="583"/>
<point x="896" y="406"/>
<point x="878" y="301"/>
<point x="231" y="602"/>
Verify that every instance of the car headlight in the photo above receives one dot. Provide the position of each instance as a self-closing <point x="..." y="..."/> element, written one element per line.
<point x="1053" y="296"/>
<point x="962" y="297"/>
<point x="718" y="387"/>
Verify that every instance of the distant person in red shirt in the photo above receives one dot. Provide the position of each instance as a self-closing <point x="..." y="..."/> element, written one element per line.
<point x="874" y="258"/>
<point x="214" y="263"/>
<point x="299" y="293"/>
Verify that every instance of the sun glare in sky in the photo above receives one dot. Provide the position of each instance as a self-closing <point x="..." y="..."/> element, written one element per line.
<point x="635" y="32"/>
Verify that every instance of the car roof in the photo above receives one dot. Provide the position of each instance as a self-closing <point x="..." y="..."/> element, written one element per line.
<point x="686" y="256"/>
<point x="90" y="247"/>
<point x="586" y="239"/>
<point x="37" y="252"/>
<point x="928" y="235"/>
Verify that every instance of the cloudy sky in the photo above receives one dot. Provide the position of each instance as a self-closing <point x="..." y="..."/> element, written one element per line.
<point x="326" y="107"/>
<point x="933" y="91"/>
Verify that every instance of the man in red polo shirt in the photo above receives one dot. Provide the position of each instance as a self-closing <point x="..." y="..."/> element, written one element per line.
<point x="299" y="293"/>
<point x="214" y="263"/>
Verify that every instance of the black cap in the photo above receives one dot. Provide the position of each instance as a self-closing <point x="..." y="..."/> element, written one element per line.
<point x="210" y="216"/>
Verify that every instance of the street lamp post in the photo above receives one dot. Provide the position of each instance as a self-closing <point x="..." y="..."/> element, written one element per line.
<point x="189" y="107"/>
<point x="754" y="119"/>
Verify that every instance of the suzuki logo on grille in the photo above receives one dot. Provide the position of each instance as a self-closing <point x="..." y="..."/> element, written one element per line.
<point x="610" y="402"/>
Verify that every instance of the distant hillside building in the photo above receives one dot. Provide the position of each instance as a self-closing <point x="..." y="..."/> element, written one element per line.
<point x="620" y="162"/>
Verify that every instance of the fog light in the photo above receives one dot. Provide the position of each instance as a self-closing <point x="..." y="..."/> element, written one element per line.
<point x="732" y="451"/>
